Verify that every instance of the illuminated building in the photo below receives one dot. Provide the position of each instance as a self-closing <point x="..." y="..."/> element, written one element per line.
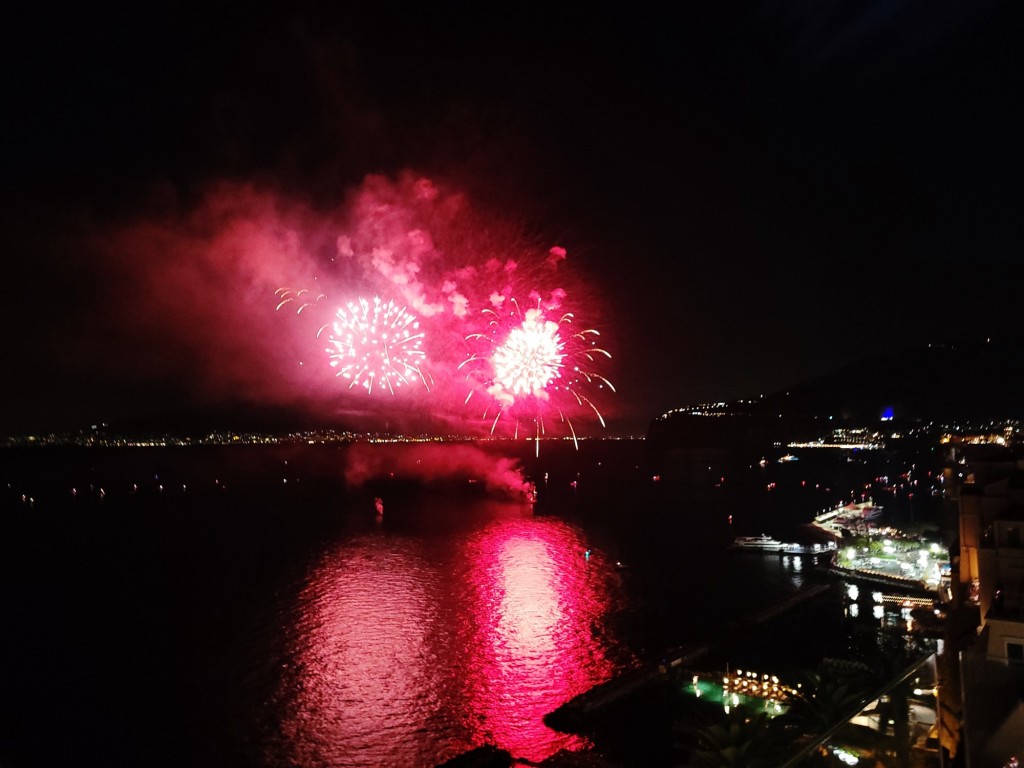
<point x="992" y="579"/>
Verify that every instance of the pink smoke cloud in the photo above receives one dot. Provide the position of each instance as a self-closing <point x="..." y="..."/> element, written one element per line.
<point x="365" y="462"/>
<point x="234" y="297"/>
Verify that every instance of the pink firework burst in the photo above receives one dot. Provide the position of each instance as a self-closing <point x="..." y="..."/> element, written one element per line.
<point x="377" y="346"/>
<point x="532" y="368"/>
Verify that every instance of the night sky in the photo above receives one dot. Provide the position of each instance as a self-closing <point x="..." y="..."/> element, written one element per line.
<point x="747" y="196"/>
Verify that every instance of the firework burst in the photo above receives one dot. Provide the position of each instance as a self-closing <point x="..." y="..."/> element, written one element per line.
<point x="530" y="358"/>
<point x="532" y="368"/>
<point x="377" y="346"/>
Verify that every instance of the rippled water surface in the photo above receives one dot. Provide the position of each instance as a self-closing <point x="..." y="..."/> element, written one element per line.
<point x="404" y="651"/>
<point x="251" y="608"/>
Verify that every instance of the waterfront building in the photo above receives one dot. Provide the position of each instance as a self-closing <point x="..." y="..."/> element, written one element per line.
<point x="991" y="575"/>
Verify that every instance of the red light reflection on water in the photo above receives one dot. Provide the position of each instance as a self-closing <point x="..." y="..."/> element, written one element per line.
<point x="360" y="684"/>
<point x="535" y="604"/>
<point x="409" y="650"/>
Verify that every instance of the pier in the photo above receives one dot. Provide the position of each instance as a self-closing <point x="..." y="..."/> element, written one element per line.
<point x="893" y="581"/>
<point x="765" y="614"/>
<point x="573" y="714"/>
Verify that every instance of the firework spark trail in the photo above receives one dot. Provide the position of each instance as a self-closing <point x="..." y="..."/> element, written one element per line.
<point x="302" y="297"/>
<point x="377" y="344"/>
<point x="412" y="241"/>
<point x="423" y="246"/>
<point x="530" y="366"/>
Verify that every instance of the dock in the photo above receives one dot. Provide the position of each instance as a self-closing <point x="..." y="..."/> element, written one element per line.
<point x="766" y="614"/>
<point x="574" y="713"/>
<point x="903" y="583"/>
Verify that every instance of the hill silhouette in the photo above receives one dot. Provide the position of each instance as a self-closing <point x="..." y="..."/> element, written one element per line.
<point x="972" y="381"/>
<point x="953" y="381"/>
<point x="960" y="381"/>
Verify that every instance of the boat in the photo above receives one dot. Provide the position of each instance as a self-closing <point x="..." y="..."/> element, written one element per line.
<point x="809" y="549"/>
<point x="530" y="492"/>
<point x="762" y="543"/>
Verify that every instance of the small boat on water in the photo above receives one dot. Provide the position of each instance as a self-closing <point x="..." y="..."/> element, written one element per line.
<point x="762" y="543"/>
<point x="530" y="492"/>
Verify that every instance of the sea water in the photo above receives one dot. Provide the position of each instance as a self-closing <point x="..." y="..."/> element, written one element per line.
<point x="250" y="605"/>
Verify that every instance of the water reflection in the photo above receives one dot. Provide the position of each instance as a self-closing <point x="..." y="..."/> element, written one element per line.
<point x="537" y="606"/>
<point x="793" y="567"/>
<point x="409" y="650"/>
<point x="361" y="677"/>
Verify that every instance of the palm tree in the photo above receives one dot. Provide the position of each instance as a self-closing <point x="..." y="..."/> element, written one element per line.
<point x="822" y="700"/>
<point x="823" y="705"/>
<point x="744" y="740"/>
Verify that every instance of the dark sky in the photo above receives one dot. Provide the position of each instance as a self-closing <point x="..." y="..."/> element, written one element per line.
<point x="751" y="195"/>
